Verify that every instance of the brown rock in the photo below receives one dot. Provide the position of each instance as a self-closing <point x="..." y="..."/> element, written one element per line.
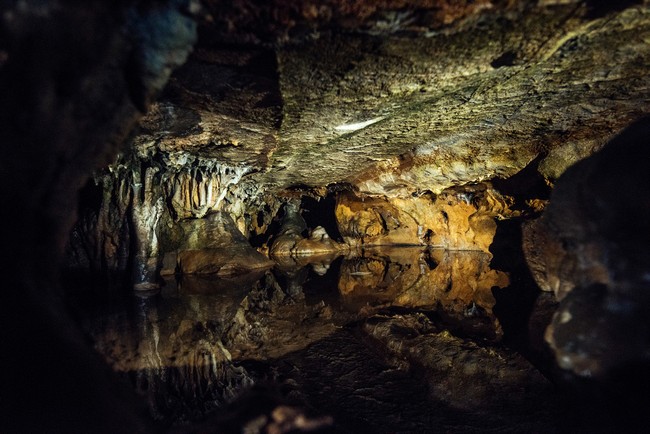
<point x="458" y="218"/>
<point x="459" y="372"/>
<point x="213" y="245"/>
<point x="590" y="248"/>
<point x="291" y="242"/>
<point x="455" y="284"/>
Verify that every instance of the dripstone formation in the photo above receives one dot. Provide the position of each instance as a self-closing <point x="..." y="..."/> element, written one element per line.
<point x="392" y="150"/>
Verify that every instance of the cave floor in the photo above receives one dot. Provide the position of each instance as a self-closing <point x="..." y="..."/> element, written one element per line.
<point x="393" y="340"/>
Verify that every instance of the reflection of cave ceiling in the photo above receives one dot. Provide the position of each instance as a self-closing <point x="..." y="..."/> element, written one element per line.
<point x="398" y="96"/>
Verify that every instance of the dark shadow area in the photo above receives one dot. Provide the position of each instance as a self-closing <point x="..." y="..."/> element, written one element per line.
<point x="506" y="59"/>
<point x="321" y="213"/>
<point x="319" y="286"/>
<point x="515" y="304"/>
<point x="600" y="8"/>
<point x="272" y="230"/>
<point x="527" y="184"/>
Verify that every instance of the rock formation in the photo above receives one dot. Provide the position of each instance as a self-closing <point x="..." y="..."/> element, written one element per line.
<point x="409" y="122"/>
<point x="75" y="78"/>
<point x="461" y="218"/>
<point x="456" y="285"/>
<point x="295" y="239"/>
<point x="589" y="248"/>
<point x="328" y="102"/>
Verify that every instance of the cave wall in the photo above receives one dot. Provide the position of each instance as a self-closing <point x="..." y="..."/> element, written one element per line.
<point x="388" y="100"/>
<point x="75" y="78"/>
<point x="400" y="106"/>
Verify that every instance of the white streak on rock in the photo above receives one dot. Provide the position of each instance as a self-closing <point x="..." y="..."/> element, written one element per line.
<point x="357" y="126"/>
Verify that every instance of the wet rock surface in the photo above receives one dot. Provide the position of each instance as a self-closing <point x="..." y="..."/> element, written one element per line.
<point x="295" y="239"/>
<point x="214" y="245"/>
<point x="468" y="375"/>
<point x="589" y="248"/>
<point x="395" y="102"/>
<point x="387" y="365"/>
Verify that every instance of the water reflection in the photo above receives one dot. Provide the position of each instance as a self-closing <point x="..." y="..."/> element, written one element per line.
<point x="170" y="346"/>
<point x="183" y="346"/>
<point x="456" y="284"/>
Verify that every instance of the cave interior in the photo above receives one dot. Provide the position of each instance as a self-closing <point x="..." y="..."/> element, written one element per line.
<point x="325" y="216"/>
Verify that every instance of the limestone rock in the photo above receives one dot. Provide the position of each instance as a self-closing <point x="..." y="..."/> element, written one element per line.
<point x="291" y="241"/>
<point x="595" y="232"/>
<point x="460" y="373"/>
<point x="387" y="98"/>
<point x="458" y="218"/>
<point x="426" y="96"/>
<point x="394" y="112"/>
<point x="213" y="245"/>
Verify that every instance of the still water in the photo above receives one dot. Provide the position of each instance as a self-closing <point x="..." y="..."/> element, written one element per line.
<point x="393" y="340"/>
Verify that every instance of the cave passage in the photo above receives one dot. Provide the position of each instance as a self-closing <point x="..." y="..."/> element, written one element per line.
<point x="385" y="341"/>
<point x="325" y="216"/>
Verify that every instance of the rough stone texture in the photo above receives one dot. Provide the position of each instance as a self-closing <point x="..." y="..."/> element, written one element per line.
<point x="460" y="373"/>
<point x="400" y="102"/>
<point x="594" y="257"/>
<point x="390" y="99"/>
<point x="417" y="98"/>
<point x="458" y="218"/>
<point x="376" y="111"/>
<point x="213" y="245"/>
<point x="137" y="211"/>
<point x="291" y="241"/>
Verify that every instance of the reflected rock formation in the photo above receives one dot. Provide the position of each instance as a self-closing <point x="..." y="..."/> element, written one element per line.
<point x="458" y="285"/>
<point x="466" y="375"/>
<point x="419" y="313"/>
<point x="275" y="320"/>
<point x="171" y="347"/>
<point x="182" y="347"/>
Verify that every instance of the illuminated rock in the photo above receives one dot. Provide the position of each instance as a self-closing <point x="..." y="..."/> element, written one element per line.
<point x="457" y="285"/>
<point x="291" y="240"/>
<point x="458" y="219"/>
<point x="213" y="245"/>
<point x="384" y="99"/>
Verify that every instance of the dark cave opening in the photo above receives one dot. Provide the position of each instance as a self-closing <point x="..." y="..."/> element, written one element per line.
<point x="265" y="238"/>
<point x="321" y="212"/>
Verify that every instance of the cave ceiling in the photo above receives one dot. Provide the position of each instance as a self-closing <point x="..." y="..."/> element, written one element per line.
<point x="394" y="97"/>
